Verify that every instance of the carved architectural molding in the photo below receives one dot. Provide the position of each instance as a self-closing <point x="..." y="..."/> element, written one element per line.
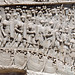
<point x="11" y="2"/>
<point x="38" y="36"/>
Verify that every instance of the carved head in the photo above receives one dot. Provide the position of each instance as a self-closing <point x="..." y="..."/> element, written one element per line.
<point x="25" y="52"/>
<point x="29" y="17"/>
<point x="40" y="13"/>
<point x="15" y="15"/>
<point x="23" y="18"/>
<point x="8" y="16"/>
<point x="33" y="19"/>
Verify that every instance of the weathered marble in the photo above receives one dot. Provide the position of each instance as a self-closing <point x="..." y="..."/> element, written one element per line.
<point x="38" y="36"/>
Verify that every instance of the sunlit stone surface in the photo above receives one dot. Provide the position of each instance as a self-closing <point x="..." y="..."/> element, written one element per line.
<point x="37" y="36"/>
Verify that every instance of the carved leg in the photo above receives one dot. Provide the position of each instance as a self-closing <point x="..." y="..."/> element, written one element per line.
<point x="4" y="42"/>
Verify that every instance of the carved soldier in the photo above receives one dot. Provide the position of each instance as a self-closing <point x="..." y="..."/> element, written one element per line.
<point x="39" y="16"/>
<point x="24" y="30"/>
<point x="31" y="33"/>
<point x="19" y="32"/>
<point x="48" y="35"/>
<point x="13" y="35"/>
<point x="58" y="39"/>
<point x="5" y="28"/>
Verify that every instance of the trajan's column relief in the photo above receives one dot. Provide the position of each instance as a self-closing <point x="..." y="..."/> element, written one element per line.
<point x="38" y="36"/>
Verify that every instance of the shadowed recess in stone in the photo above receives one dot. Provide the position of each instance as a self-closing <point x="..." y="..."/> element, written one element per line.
<point x="12" y="72"/>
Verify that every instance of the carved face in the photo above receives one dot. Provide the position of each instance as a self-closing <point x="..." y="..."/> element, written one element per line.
<point x="15" y="16"/>
<point x="8" y="16"/>
<point x="25" y="52"/>
<point x="22" y="19"/>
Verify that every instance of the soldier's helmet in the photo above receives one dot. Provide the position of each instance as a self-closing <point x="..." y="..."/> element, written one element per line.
<point x="7" y="14"/>
<point x="15" y="15"/>
<point x="23" y="18"/>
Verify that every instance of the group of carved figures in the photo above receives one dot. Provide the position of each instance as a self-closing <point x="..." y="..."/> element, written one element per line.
<point x="44" y="29"/>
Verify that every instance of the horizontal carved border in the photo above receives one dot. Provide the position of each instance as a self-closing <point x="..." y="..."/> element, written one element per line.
<point x="40" y="3"/>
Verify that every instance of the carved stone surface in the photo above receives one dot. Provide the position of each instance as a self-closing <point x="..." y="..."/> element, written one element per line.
<point x="40" y="38"/>
<point x="3" y="2"/>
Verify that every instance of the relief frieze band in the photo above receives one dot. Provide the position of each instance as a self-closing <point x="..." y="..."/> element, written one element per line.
<point x="38" y="37"/>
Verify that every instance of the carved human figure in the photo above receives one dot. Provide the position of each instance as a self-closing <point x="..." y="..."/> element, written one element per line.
<point x="5" y="28"/>
<point x="13" y="35"/>
<point x="41" y="31"/>
<point x="48" y="35"/>
<point x="31" y="33"/>
<point x="19" y="32"/>
<point x="34" y="29"/>
<point x="24" y="30"/>
<point x="58" y="39"/>
<point x="39" y="16"/>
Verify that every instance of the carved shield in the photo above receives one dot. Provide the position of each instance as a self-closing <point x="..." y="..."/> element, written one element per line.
<point x="5" y="59"/>
<point x="20" y="60"/>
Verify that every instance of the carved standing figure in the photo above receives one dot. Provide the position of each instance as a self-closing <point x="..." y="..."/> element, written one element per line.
<point x="5" y="28"/>
<point x="19" y="32"/>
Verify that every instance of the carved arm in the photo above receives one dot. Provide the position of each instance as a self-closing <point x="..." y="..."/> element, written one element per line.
<point x="19" y="31"/>
<point x="4" y="34"/>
